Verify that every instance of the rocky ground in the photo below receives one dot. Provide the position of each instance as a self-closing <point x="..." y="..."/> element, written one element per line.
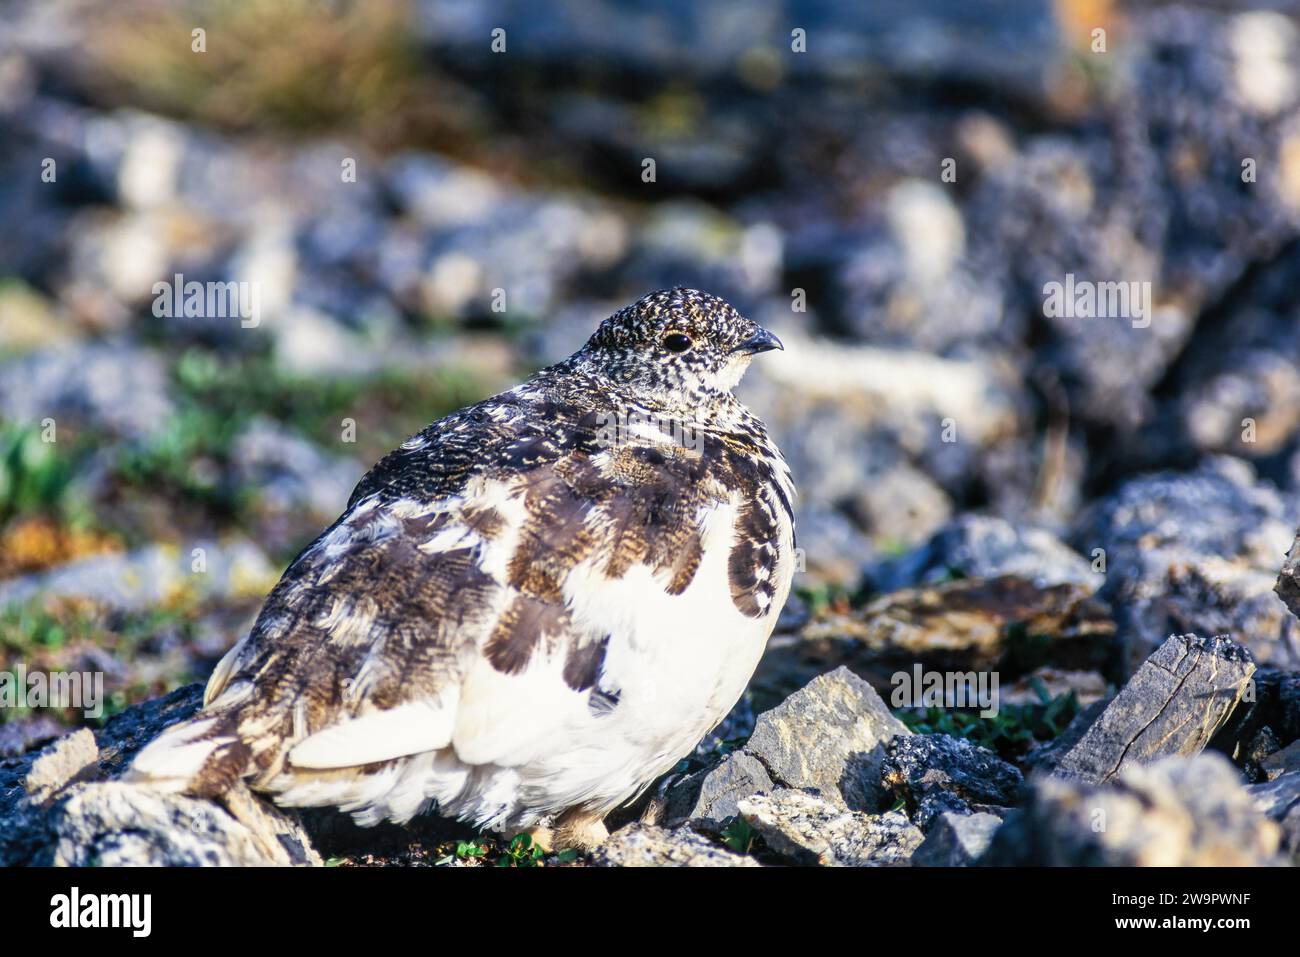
<point x="1093" y="509"/>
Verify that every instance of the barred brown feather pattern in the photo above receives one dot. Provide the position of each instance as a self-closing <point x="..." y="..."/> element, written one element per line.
<point x="457" y="548"/>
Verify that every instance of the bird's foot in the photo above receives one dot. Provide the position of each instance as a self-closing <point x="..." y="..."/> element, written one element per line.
<point x="543" y="836"/>
<point x="580" y="829"/>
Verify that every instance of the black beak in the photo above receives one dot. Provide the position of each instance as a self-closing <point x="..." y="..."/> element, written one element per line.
<point x="761" y="341"/>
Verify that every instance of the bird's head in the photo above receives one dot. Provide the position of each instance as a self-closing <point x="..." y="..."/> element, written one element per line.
<point x="676" y="348"/>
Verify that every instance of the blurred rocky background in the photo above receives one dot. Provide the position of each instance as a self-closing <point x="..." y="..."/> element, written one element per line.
<point x="433" y="197"/>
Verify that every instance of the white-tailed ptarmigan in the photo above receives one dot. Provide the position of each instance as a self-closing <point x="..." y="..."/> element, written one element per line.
<point x="529" y="611"/>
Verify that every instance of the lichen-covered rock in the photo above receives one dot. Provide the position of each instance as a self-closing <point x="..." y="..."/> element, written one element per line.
<point x="645" y="845"/>
<point x="1178" y="812"/>
<point x="64" y="807"/>
<point x="924" y="766"/>
<point x="114" y="824"/>
<point x="1174" y="704"/>
<point x="71" y="758"/>
<point x="805" y="829"/>
<point x="829" y="736"/>
<point x="956" y="840"/>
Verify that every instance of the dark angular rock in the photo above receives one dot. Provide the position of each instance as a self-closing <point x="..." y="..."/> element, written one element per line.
<point x="1281" y="762"/>
<point x="1288" y="580"/>
<point x="1279" y="799"/>
<point x="937" y="773"/>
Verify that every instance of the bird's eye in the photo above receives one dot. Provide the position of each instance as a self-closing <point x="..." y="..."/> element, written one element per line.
<point x="677" y="342"/>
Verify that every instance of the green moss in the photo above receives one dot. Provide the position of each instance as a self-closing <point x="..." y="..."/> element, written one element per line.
<point x="1012" y="732"/>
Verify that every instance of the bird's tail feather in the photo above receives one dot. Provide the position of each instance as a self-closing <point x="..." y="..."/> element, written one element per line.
<point x="203" y="756"/>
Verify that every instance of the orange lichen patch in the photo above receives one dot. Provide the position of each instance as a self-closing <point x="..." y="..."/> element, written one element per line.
<point x="1078" y="18"/>
<point x="35" y="544"/>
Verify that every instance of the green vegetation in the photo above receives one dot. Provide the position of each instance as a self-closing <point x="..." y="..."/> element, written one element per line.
<point x="1011" y="733"/>
<point x="55" y="637"/>
<point x="217" y="397"/>
<point x="738" y="835"/>
<point x="521" y="852"/>
<point x="35" y="476"/>
<point x="826" y="597"/>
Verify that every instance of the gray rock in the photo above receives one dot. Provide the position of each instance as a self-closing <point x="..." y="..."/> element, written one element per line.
<point x="956" y="840"/>
<point x="1195" y="552"/>
<point x="1280" y="801"/>
<point x="644" y="845"/>
<point x="829" y="736"/>
<point x="1278" y="797"/>
<point x="805" y="829"/>
<point x="1281" y="762"/>
<point x="150" y="576"/>
<point x="1178" y="812"/>
<point x="291" y="475"/>
<point x="1288" y="580"/>
<point x="24" y="734"/>
<point x="982" y="546"/>
<point x="117" y="386"/>
<point x="1174" y="704"/>
<point x="735" y="727"/>
<point x="52" y="812"/>
<point x="707" y="799"/>
<point x="75" y="757"/>
<point x="1047" y="755"/>
<point x="920" y="766"/>
<point x="114" y="824"/>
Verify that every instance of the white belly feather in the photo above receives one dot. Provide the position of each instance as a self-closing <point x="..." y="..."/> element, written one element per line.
<point x="526" y="746"/>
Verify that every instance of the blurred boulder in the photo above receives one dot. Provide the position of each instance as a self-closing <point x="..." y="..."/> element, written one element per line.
<point x="1178" y="812"/>
<point x="151" y="576"/>
<point x="1195" y="552"/>
<point x="1005" y="624"/>
<point x="983" y="546"/>
<point x="119" y="387"/>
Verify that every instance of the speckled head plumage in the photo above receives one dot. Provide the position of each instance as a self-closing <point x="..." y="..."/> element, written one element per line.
<point x="675" y="348"/>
